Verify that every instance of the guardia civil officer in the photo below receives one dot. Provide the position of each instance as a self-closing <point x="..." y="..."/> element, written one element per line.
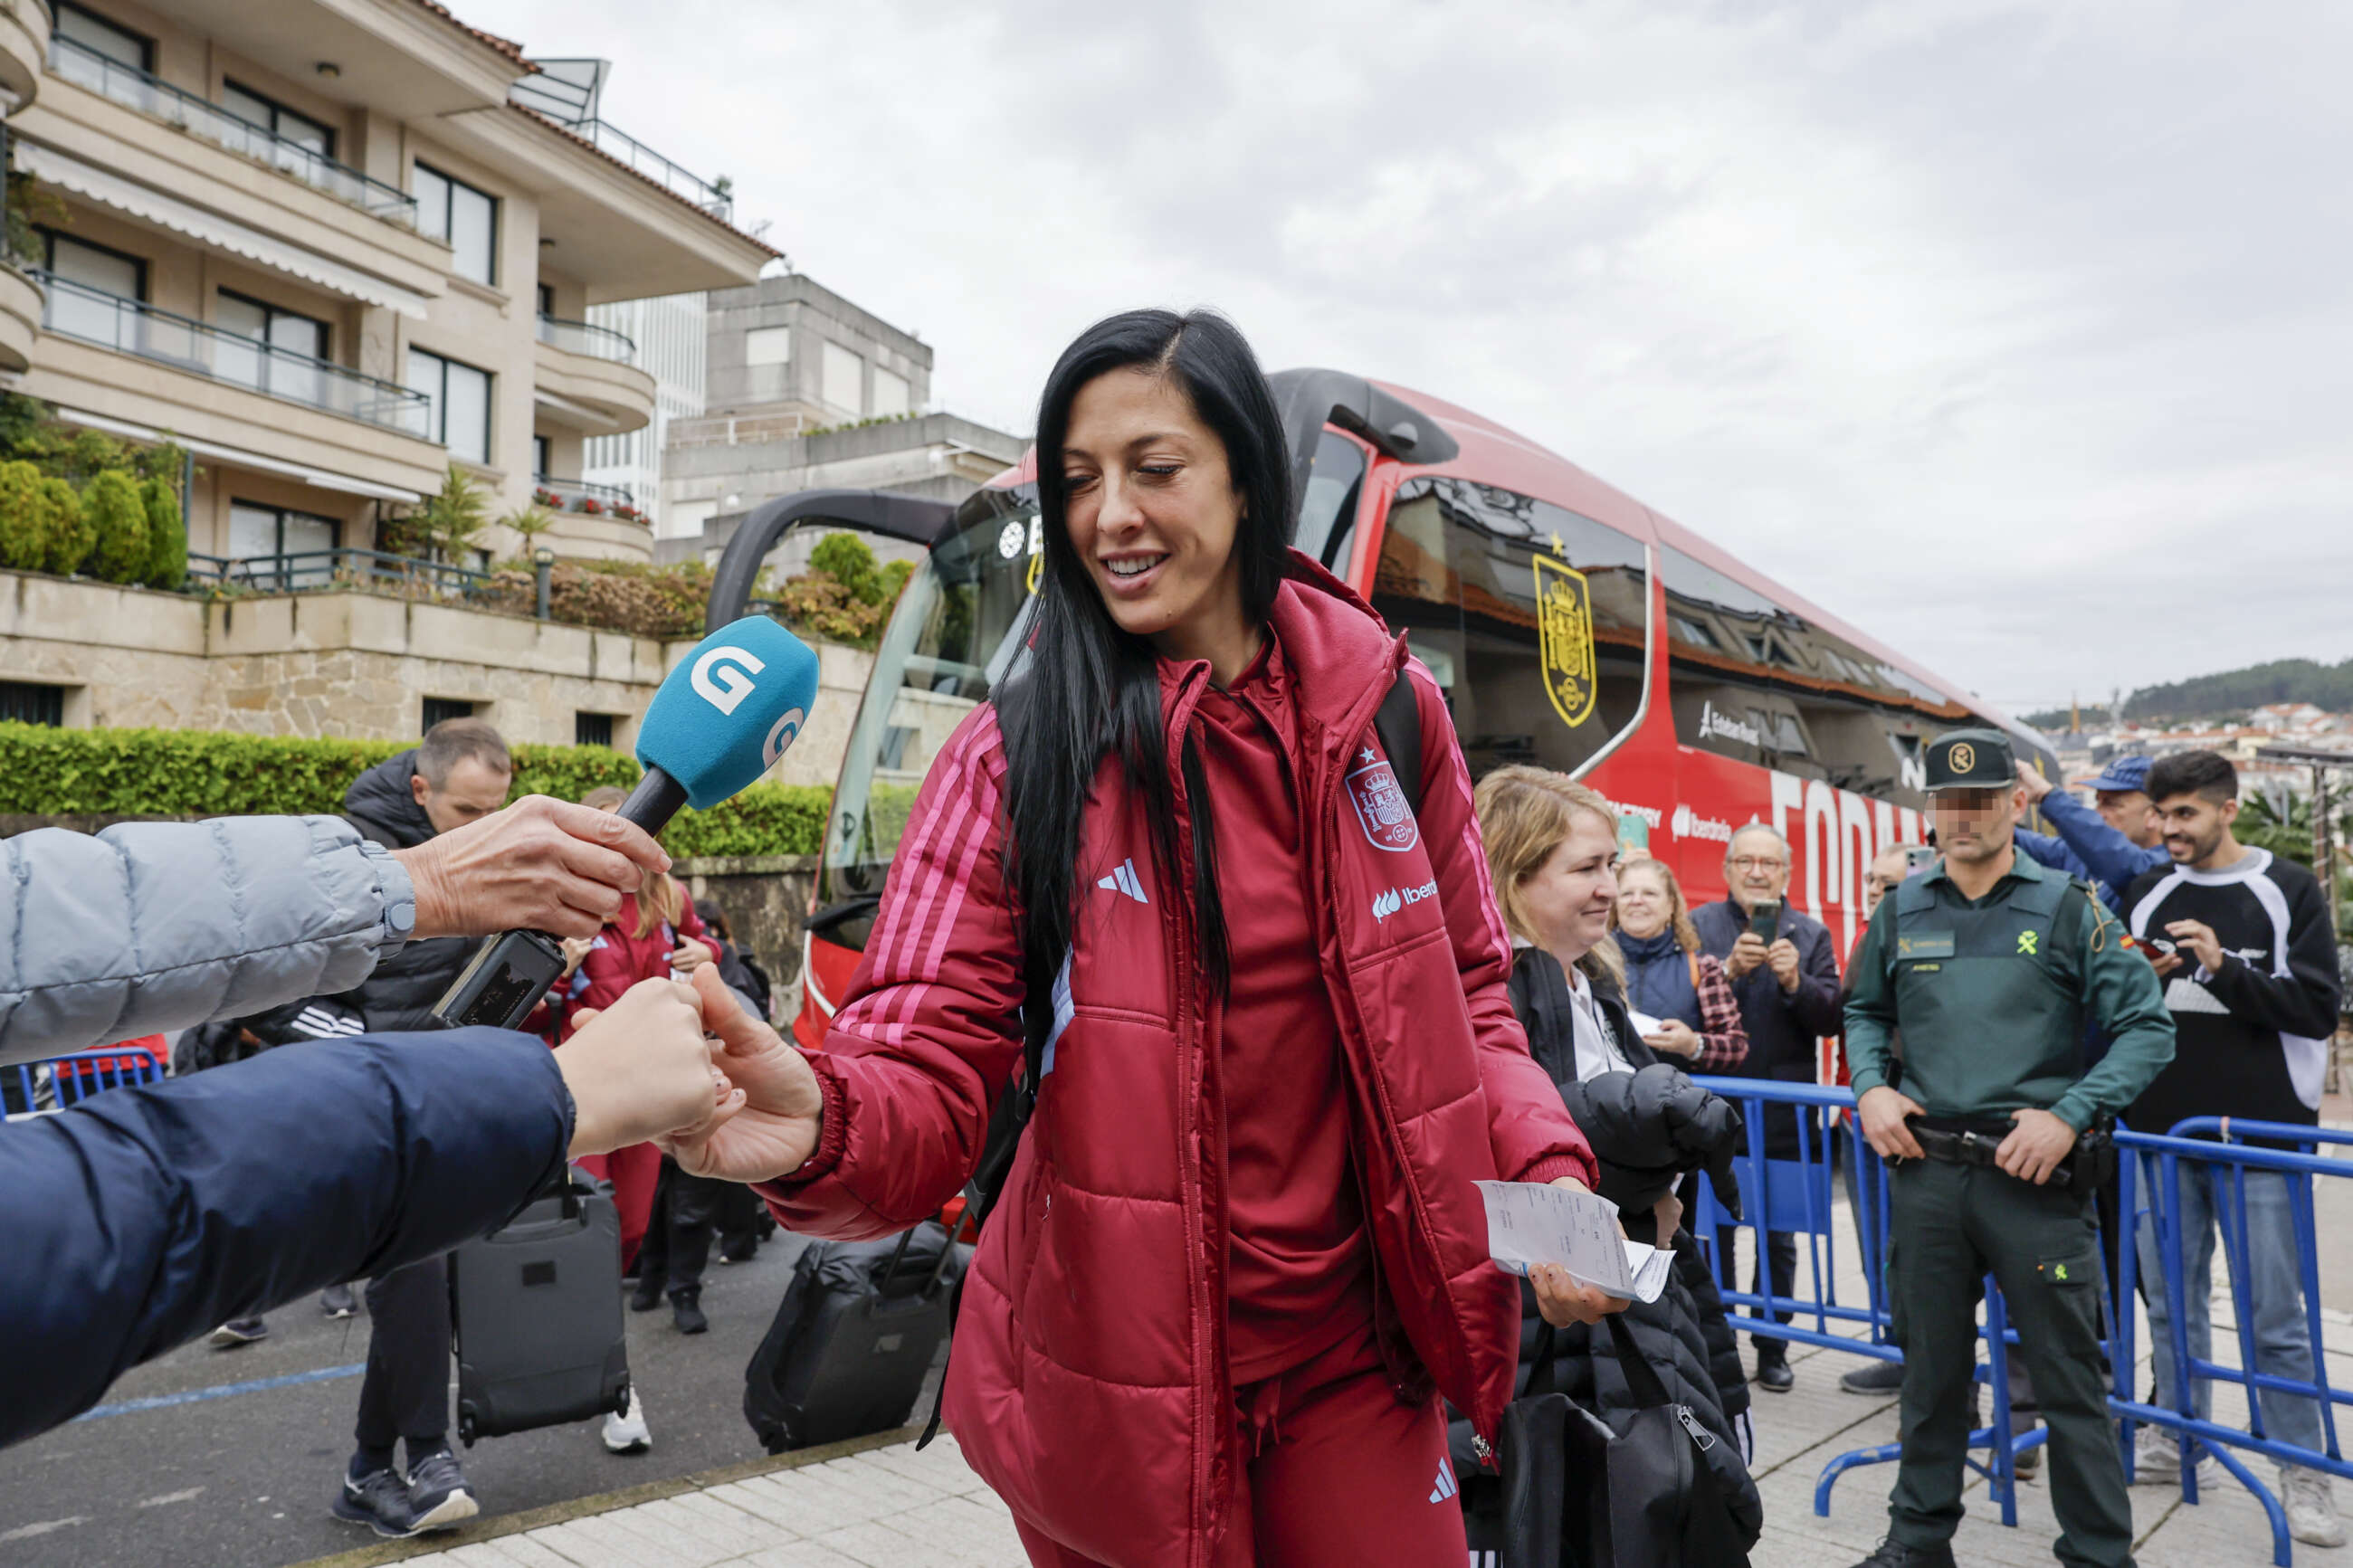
<point x="1990" y="965"/>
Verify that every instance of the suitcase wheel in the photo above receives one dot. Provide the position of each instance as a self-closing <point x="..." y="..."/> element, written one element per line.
<point x="620" y="1406"/>
<point x="466" y="1427"/>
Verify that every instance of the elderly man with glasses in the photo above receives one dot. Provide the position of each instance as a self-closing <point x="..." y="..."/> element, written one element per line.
<point x="1785" y="973"/>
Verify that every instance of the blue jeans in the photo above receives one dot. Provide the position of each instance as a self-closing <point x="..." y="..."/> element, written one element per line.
<point x="2283" y="1347"/>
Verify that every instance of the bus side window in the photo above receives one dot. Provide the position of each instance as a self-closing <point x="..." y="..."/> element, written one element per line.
<point x="1327" y="512"/>
<point x="1532" y="616"/>
<point x="1754" y="681"/>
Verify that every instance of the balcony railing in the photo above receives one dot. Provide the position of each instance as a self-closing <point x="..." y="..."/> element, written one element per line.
<point x="151" y="95"/>
<point x="569" y="495"/>
<point x="586" y="338"/>
<point x="76" y="311"/>
<point x="308" y="570"/>
<point x="622" y="147"/>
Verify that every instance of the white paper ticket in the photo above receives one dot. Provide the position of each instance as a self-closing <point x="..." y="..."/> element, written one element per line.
<point x="1530" y="1223"/>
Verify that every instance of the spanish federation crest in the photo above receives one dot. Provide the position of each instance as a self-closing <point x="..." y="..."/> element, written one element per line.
<point x="1381" y="806"/>
<point x="1564" y="630"/>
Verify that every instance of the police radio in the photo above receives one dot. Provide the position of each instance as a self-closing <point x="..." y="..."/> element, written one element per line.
<point x="723" y="718"/>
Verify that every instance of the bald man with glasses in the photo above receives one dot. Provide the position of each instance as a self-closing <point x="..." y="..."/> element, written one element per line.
<point x="1787" y="988"/>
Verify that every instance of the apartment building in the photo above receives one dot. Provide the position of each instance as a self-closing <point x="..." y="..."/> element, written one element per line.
<point x="806" y="390"/>
<point x="672" y="336"/>
<point x="331" y="247"/>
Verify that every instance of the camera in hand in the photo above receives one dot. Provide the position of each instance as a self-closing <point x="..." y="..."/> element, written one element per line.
<point x="723" y="718"/>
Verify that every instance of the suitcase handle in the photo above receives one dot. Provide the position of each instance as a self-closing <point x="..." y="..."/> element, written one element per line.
<point x="939" y="1266"/>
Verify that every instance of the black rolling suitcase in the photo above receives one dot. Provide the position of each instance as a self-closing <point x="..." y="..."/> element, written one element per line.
<point x="537" y="1311"/>
<point x="858" y="1328"/>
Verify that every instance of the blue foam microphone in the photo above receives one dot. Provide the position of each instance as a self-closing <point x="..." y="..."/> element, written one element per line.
<point x="723" y="718"/>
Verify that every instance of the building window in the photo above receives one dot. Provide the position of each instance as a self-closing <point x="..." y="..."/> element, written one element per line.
<point x="768" y="345"/>
<point x="95" y="266"/>
<point x="438" y="709"/>
<point x="540" y="458"/>
<point x="279" y="120"/>
<point x="95" y="33"/>
<point x="467" y="219"/>
<point x="844" y="380"/>
<point x="264" y="536"/>
<point x="546" y="300"/>
<point x="592" y="728"/>
<point x="23" y="702"/>
<point x="890" y="394"/>
<point x="461" y="415"/>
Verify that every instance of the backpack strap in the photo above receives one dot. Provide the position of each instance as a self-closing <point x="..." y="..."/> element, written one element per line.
<point x="1399" y="724"/>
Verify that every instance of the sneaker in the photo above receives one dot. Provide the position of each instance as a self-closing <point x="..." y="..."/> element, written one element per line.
<point x="2029" y="1462"/>
<point x="646" y="1294"/>
<point x="2157" y="1460"/>
<point x="378" y="1499"/>
<point x="337" y="1301"/>
<point x="2311" y="1506"/>
<point x="437" y="1494"/>
<point x="686" y="1313"/>
<point x="1873" y="1378"/>
<point x="1893" y="1554"/>
<point x="625" y="1433"/>
<point x="1773" y="1374"/>
<point x="239" y="1332"/>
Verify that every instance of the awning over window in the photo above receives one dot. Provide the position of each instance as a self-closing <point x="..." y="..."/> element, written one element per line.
<point x="239" y="458"/>
<point x="210" y="228"/>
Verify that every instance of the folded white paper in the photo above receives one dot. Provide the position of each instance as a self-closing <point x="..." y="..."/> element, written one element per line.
<point x="1530" y="1223"/>
<point x="1644" y="1025"/>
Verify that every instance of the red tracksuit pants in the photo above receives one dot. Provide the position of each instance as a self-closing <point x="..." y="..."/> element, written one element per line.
<point x="1340" y="1473"/>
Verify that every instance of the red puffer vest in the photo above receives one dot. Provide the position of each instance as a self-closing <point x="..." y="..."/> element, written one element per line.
<point x="1089" y="1384"/>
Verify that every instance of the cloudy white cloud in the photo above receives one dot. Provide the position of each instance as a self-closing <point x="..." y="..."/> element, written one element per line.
<point x="2018" y="334"/>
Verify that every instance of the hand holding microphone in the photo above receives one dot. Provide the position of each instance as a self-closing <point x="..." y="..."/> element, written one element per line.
<point x="722" y="719"/>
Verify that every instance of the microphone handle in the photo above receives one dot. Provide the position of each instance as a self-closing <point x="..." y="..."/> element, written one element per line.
<point x="657" y="799"/>
<point x="509" y="972"/>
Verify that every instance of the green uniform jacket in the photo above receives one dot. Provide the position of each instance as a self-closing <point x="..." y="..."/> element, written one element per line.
<point x="1992" y="997"/>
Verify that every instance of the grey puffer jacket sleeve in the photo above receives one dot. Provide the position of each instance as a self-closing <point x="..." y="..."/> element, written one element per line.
<point x="161" y="925"/>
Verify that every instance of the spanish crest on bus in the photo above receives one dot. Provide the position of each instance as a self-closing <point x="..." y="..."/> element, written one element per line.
<point x="1565" y="637"/>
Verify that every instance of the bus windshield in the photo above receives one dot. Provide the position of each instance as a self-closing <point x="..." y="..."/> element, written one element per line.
<point x="948" y="642"/>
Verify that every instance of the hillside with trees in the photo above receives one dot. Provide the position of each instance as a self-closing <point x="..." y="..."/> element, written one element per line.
<point x="2227" y="695"/>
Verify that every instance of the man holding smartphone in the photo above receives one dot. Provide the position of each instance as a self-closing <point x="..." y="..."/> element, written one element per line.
<point x="1784" y="971"/>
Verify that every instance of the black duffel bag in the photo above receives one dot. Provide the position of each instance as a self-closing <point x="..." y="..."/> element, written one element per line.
<point x="858" y="1328"/>
<point x="1577" y="1493"/>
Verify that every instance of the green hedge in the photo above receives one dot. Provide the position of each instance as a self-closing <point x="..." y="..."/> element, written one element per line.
<point x="197" y="773"/>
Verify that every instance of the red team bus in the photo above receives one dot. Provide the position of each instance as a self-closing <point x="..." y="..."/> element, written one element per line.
<point x="1568" y="624"/>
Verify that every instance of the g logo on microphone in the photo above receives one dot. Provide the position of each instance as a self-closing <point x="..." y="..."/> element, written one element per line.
<point x="783" y="733"/>
<point x="718" y="681"/>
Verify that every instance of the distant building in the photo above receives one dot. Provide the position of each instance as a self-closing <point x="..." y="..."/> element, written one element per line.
<point x="804" y="390"/>
<point x="671" y="334"/>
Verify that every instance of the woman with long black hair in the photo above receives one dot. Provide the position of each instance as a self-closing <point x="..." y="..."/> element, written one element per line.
<point x="1240" y="1247"/>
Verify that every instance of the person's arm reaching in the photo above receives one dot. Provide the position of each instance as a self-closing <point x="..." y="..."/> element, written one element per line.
<point x="159" y="925"/>
<point x="155" y="1213"/>
<point x="1815" y="1003"/>
<point x="2101" y="853"/>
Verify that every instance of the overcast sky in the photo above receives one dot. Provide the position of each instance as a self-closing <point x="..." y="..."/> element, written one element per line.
<point x="2019" y="335"/>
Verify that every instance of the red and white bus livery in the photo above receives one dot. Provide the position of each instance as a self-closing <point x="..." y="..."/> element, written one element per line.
<point x="1570" y="625"/>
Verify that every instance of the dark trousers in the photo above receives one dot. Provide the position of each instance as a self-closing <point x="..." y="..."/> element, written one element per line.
<point x="677" y="1248"/>
<point x="1781" y="1251"/>
<point x="1949" y="1226"/>
<point x="740" y="1212"/>
<point x="405" y="1393"/>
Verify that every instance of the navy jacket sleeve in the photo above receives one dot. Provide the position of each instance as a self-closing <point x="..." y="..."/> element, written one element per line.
<point x="1816" y="1003"/>
<point x="2107" y="857"/>
<point x="2045" y="850"/>
<point x="156" y="1213"/>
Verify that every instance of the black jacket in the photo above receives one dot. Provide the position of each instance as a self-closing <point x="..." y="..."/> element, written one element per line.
<point x="402" y="990"/>
<point x="1646" y="1128"/>
<point x="1784" y="1026"/>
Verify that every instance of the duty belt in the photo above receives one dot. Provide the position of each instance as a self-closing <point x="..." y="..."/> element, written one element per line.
<point x="1956" y="1144"/>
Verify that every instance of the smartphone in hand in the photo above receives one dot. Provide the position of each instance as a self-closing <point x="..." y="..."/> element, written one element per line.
<point x="1765" y="921"/>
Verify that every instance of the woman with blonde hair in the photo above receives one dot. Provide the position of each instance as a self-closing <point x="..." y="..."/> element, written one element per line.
<point x="1680" y="997"/>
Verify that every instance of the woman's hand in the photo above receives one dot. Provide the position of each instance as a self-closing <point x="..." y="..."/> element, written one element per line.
<point x="576" y="948"/>
<point x="777" y="1131"/>
<point x="641" y="1070"/>
<point x="1562" y="1299"/>
<point x="1667" y="1214"/>
<point x="1676" y="1038"/>
<point x="690" y="955"/>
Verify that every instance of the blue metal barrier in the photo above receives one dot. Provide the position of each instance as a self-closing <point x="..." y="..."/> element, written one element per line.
<point x="2151" y="1182"/>
<point x="38" y="1088"/>
<point x="1794" y="1197"/>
